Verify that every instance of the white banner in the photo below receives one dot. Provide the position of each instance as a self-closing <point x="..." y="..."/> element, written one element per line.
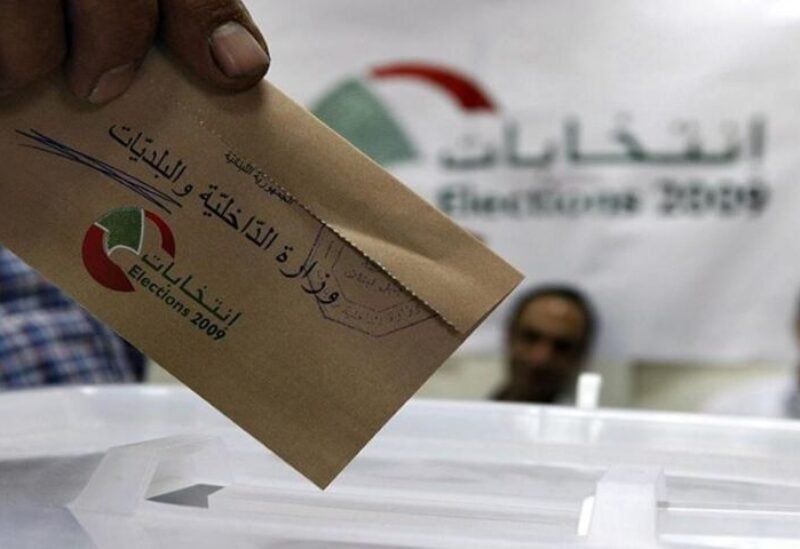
<point x="646" y="152"/>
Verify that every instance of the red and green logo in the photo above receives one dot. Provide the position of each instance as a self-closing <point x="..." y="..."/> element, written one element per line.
<point x="122" y="228"/>
<point x="354" y="109"/>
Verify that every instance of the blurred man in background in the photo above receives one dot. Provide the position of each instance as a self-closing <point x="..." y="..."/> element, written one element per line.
<point x="549" y="340"/>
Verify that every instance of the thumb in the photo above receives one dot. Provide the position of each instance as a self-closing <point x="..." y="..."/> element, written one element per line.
<point x="217" y="39"/>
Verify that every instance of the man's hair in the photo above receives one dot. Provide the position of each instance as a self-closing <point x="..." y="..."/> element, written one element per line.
<point x="567" y="293"/>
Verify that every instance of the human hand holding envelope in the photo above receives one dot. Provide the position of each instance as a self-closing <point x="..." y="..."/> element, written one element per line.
<point x="262" y="260"/>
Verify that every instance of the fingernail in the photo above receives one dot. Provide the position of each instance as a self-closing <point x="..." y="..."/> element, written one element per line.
<point x="237" y="52"/>
<point x="112" y="84"/>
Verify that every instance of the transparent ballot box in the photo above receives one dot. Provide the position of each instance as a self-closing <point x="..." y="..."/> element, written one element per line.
<point x="146" y="467"/>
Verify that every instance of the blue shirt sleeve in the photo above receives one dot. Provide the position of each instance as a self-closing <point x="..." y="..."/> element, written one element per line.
<point x="47" y="338"/>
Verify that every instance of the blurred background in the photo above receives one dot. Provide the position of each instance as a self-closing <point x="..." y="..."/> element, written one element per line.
<point x="642" y="155"/>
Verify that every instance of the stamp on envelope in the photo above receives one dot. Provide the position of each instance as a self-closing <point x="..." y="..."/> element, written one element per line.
<point x="370" y="301"/>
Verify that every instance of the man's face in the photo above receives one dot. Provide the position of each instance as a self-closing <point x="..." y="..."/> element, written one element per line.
<point x="546" y="349"/>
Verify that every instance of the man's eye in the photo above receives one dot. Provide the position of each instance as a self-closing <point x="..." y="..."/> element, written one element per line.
<point x="565" y="347"/>
<point x="529" y="336"/>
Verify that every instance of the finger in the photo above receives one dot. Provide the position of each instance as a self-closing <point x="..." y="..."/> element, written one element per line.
<point x="108" y="40"/>
<point x="217" y="39"/>
<point x="32" y="41"/>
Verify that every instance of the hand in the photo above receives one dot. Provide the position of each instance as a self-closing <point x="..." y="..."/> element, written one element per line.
<point x="101" y="43"/>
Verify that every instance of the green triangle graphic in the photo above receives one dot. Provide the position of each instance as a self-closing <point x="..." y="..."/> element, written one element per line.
<point x="356" y="114"/>
<point x="123" y="228"/>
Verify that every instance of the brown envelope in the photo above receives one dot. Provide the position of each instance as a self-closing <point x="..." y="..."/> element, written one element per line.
<point x="243" y="245"/>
